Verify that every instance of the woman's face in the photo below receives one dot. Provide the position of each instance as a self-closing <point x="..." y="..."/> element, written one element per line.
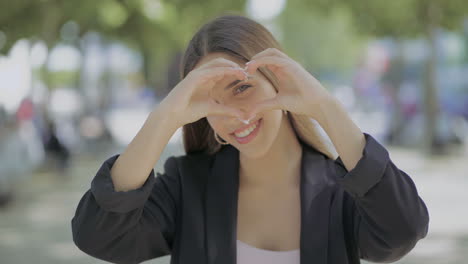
<point x="253" y="139"/>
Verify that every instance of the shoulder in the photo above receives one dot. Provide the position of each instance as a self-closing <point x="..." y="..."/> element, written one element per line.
<point x="188" y="164"/>
<point x="189" y="160"/>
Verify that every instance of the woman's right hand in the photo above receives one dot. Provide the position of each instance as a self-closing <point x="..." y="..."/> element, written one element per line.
<point x="190" y="99"/>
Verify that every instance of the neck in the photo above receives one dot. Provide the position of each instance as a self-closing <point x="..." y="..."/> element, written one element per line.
<point x="279" y="167"/>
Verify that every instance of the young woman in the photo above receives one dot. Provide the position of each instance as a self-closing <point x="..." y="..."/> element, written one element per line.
<point x="260" y="182"/>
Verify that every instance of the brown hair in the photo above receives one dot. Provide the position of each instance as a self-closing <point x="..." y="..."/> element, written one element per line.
<point x="242" y="38"/>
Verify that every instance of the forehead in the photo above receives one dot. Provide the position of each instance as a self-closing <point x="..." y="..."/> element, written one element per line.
<point x="215" y="55"/>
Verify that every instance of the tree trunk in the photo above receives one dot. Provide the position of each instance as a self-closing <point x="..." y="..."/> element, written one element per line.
<point x="431" y="105"/>
<point x="394" y="81"/>
<point x="107" y="91"/>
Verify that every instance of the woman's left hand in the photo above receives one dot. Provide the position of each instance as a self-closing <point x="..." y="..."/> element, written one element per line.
<point x="298" y="92"/>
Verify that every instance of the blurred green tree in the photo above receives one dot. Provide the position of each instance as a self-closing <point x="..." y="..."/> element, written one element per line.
<point x="401" y="19"/>
<point x="158" y="29"/>
<point x="317" y="39"/>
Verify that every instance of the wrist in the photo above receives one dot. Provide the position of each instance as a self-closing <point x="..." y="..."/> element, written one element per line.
<point x="165" y="116"/>
<point x="326" y="107"/>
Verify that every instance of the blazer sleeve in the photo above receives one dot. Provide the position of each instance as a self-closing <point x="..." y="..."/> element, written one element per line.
<point x="388" y="217"/>
<point x="131" y="226"/>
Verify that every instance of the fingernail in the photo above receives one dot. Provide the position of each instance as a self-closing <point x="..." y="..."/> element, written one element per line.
<point x="245" y="121"/>
<point x="246" y="75"/>
<point x="247" y="65"/>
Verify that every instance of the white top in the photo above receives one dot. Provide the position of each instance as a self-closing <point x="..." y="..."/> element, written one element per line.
<point x="246" y="254"/>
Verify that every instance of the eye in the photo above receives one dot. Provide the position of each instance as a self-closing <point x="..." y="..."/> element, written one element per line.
<point x="242" y="88"/>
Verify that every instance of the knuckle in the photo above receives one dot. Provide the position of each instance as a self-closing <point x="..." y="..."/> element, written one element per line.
<point x="220" y="60"/>
<point x="273" y="51"/>
<point x="225" y="61"/>
<point x="197" y="74"/>
<point x="278" y="52"/>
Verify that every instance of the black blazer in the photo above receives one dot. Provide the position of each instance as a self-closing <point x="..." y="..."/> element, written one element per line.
<point x="373" y="212"/>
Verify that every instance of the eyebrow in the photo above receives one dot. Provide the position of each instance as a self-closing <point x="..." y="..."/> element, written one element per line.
<point x="235" y="82"/>
<point x="232" y="84"/>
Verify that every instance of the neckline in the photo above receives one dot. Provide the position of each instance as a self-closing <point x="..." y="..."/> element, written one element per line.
<point x="270" y="251"/>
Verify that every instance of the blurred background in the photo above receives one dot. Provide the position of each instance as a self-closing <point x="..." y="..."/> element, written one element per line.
<point x="79" y="78"/>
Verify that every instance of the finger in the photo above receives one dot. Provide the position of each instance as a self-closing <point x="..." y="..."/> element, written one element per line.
<point x="272" y="63"/>
<point x="216" y="74"/>
<point x="269" y="52"/>
<point x="220" y="62"/>
<point x="269" y="104"/>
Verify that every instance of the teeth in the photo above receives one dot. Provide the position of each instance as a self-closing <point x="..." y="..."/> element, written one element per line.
<point x="247" y="131"/>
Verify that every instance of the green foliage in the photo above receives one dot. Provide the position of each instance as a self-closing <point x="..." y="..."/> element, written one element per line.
<point x="320" y="40"/>
<point x="112" y="14"/>
<point x="159" y="24"/>
<point x="405" y="18"/>
<point x="383" y="18"/>
<point x="395" y="18"/>
<point x="60" y="79"/>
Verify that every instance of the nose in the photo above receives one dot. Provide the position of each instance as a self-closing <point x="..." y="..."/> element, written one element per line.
<point x="236" y="122"/>
<point x="244" y="106"/>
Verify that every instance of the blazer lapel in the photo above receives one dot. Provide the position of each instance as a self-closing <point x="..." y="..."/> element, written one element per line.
<point x="221" y="207"/>
<point x="222" y="198"/>
<point x="315" y="207"/>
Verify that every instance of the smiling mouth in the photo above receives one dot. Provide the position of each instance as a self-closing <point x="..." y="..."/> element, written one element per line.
<point x="247" y="134"/>
<point x="246" y="128"/>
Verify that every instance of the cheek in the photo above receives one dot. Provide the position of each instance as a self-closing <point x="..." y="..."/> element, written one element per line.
<point x="270" y="91"/>
<point x="217" y="124"/>
<point x="264" y="92"/>
<point x="213" y="121"/>
<point x="274" y="120"/>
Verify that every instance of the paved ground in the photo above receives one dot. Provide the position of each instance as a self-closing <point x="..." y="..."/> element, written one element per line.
<point x="36" y="227"/>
